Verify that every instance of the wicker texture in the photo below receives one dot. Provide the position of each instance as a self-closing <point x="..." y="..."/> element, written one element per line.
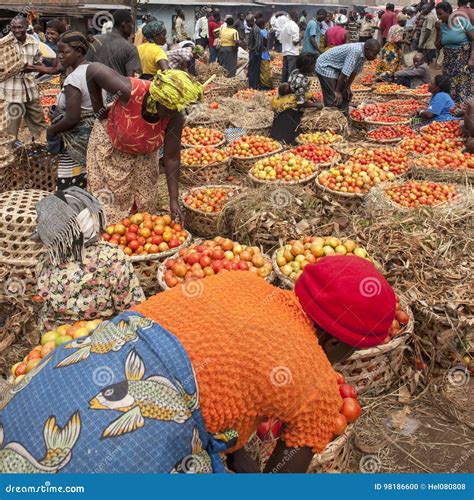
<point x="6" y="146"/>
<point x="17" y="222"/>
<point x="338" y="193"/>
<point x="281" y="182"/>
<point x="204" y="174"/>
<point x="10" y="62"/>
<point x="3" y="117"/>
<point x="206" y="225"/>
<point x="15" y="318"/>
<point x="34" y="168"/>
<point x="375" y="369"/>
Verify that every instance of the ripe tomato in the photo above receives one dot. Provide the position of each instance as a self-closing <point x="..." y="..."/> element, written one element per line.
<point x="351" y="409"/>
<point x="341" y="424"/>
<point x="347" y="391"/>
<point x="340" y="378"/>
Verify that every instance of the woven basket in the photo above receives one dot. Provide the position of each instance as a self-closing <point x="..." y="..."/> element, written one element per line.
<point x="17" y="222"/>
<point x="3" y="117"/>
<point x="204" y="174"/>
<point x="404" y="94"/>
<point x="403" y="121"/>
<point x="330" y="144"/>
<point x="191" y="146"/>
<point x="375" y="369"/>
<point x="276" y="78"/>
<point x="442" y="175"/>
<point x="346" y="149"/>
<point x="6" y="146"/>
<point x="206" y="225"/>
<point x="10" y="62"/>
<point x="15" y="319"/>
<point x="34" y="168"/>
<point x="339" y="193"/>
<point x="49" y="86"/>
<point x="146" y="267"/>
<point x="279" y="182"/>
<point x="331" y="452"/>
<point x="265" y="131"/>
<point x="243" y="165"/>
<point x="315" y="85"/>
<point x="393" y="141"/>
<point x="361" y="96"/>
<point x="358" y="125"/>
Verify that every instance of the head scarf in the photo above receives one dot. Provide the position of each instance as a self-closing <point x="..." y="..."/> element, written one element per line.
<point x="68" y="221"/>
<point x="75" y="39"/>
<point x="198" y="50"/>
<point x="174" y="89"/>
<point x="402" y="17"/>
<point x="395" y="34"/>
<point x="153" y="29"/>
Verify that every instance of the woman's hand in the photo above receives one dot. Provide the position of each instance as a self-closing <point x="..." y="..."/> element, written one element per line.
<point x="176" y="213"/>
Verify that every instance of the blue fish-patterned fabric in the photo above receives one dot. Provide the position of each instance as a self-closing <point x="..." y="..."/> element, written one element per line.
<point x="123" y="400"/>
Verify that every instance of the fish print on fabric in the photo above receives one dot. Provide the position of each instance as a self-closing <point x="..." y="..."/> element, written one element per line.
<point x="107" y="337"/>
<point x="59" y="443"/>
<point x="23" y="383"/>
<point x="199" y="462"/>
<point x="138" y="398"/>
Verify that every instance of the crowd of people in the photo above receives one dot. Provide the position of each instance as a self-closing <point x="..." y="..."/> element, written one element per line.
<point x="121" y="102"/>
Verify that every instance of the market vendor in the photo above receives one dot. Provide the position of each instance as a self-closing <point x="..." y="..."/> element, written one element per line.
<point x="122" y="159"/>
<point x="152" y="55"/>
<point x="441" y="103"/>
<point x="80" y="277"/>
<point x="337" y="67"/>
<point x="293" y="98"/>
<point x="414" y="76"/>
<point x="193" y="371"/>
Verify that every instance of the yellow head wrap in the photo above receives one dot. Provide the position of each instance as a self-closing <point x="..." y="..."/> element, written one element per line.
<point x="174" y="89"/>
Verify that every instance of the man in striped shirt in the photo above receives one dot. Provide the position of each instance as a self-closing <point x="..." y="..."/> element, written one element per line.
<point x="337" y="67"/>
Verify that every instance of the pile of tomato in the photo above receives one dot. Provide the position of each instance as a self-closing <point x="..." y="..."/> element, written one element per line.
<point x="249" y="146"/>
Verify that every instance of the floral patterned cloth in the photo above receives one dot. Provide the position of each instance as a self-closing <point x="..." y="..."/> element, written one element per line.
<point x="100" y="287"/>
<point x="461" y="77"/>
<point x="389" y="62"/>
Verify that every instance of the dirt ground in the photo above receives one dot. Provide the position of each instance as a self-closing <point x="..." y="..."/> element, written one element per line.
<point x="434" y="433"/>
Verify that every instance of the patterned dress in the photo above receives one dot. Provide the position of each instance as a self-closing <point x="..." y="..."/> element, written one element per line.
<point x="102" y="286"/>
<point x="391" y="54"/>
<point x="122" y="158"/>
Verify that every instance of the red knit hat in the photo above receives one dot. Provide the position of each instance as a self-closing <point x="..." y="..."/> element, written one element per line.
<point x="348" y="297"/>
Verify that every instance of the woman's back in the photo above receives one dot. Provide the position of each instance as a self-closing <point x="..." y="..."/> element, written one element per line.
<point x="128" y="130"/>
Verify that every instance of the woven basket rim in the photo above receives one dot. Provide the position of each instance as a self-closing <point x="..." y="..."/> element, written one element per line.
<point x="211" y="215"/>
<point x="394" y="141"/>
<point x="299" y="141"/>
<point x="279" y="182"/>
<point x="461" y="173"/>
<point x="195" y="168"/>
<point x="339" y="193"/>
<point x="401" y="122"/>
<point x="162" y="255"/>
<point x="332" y="448"/>
<point x="192" y="146"/>
<point x="410" y="94"/>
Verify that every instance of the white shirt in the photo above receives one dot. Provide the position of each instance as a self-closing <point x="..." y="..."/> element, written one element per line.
<point x="290" y="34"/>
<point x="280" y="23"/>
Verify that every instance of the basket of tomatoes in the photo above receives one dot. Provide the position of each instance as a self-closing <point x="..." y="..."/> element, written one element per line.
<point x="209" y="257"/>
<point x="147" y="239"/>
<point x="203" y="207"/>
<point x="454" y="165"/>
<point x="248" y="149"/>
<point x="285" y="168"/>
<point x="202" y="136"/>
<point x="389" y="134"/>
<point x="204" y="165"/>
<point x="376" y="369"/>
<point x="321" y="155"/>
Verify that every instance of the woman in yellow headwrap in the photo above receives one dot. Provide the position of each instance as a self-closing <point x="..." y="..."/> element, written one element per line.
<point x="122" y="158"/>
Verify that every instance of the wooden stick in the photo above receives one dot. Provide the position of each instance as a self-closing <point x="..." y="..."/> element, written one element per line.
<point x="209" y="80"/>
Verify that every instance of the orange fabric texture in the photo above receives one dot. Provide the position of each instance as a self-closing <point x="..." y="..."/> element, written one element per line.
<point x="255" y="354"/>
<point x="127" y="129"/>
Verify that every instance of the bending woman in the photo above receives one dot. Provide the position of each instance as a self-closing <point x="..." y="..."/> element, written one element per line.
<point x="80" y="277"/>
<point x="391" y="54"/>
<point x="130" y="390"/>
<point x="122" y="159"/>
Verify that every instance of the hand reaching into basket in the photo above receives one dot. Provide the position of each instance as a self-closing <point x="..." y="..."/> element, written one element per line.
<point x="176" y="213"/>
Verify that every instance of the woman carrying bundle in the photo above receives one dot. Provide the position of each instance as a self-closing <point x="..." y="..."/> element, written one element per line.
<point x="80" y="277"/>
<point x="135" y="398"/>
<point x="122" y="159"/>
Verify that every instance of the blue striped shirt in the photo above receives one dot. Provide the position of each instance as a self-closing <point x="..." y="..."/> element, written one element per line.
<point x="348" y="58"/>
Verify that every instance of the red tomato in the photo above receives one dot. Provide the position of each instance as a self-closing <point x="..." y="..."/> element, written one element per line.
<point x="341" y="424"/>
<point x="263" y="429"/>
<point x="351" y="409"/>
<point x="217" y="255"/>
<point x="340" y="378"/>
<point x="133" y="244"/>
<point x="347" y="391"/>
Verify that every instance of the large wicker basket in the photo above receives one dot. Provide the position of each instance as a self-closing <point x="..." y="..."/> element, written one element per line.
<point x="199" y="175"/>
<point x="338" y="193"/>
<point x="34" y="168"/>
<point x="3" y="117"/>
<point x="375" y="369"/>
<point x="206" y="225"/>
<point x="279" y="182"/>
<point x="11" y="63"/>
<point x="146" y="266"/>
<point x="17" y="222"/>
<point x="15" y="319"/>
<point x="6" y="146"/>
